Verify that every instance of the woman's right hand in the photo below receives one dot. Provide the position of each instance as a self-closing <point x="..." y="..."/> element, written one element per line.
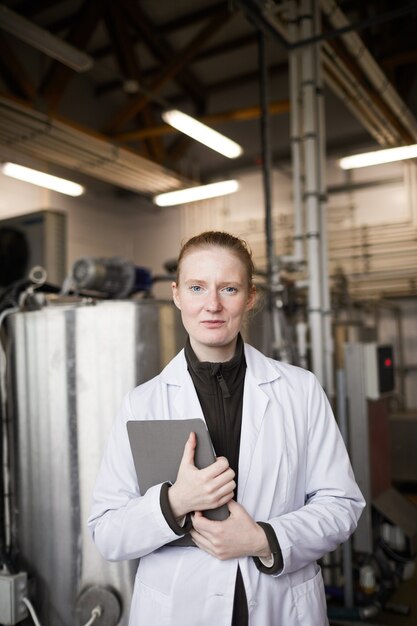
<point x="200" y="489"/>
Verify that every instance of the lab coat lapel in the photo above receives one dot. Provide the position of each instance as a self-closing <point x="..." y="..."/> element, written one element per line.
<point x="255" y="403"/>
<point x="183" y="401"/>
<point x="259" y="372"/>
<point x="186" y="403"/>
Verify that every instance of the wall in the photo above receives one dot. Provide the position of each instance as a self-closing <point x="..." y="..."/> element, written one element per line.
<point x="101" y="222"/>
<point x="372" y="230"/>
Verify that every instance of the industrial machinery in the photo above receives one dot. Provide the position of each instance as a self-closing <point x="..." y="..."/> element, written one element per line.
<point x="116" y="277"/>
<point x="70" y="364"/>
<point x="370" y="378"/>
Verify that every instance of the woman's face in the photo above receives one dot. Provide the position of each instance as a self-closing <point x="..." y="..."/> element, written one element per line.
<point x="213" y="297"/>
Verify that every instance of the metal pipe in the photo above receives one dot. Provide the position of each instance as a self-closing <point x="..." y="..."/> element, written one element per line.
<point x="301" y="333"/>
<point x="312" y="192"/>
<point x="5" y="467"/>
<point x="295" y="113"/>
<point x="266" y="154"/>
<point x="374" y="119"/>
<point x="321" y="160"/>
<point x="272" y="269"/>
<point x="356" y="101"/>
<point x="255" y="10"/>
<point x="357" y="93"/>
<point x="360" y="25"/>
<point x="371" y="68"/>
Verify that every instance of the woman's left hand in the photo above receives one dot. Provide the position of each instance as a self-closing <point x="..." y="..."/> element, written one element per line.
<point x="235" y="537"/>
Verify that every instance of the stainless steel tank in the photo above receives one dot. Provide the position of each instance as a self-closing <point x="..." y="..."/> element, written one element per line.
<point x="71" y="366"/>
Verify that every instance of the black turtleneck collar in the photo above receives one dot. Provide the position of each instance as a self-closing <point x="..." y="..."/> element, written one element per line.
<point x="206" y="374"/>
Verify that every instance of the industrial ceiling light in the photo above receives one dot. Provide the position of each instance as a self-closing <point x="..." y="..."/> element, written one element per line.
<point x="44" y="41"/>
<point x="41" y="179"/>
<point x="202" y="133"/>
<point x="182" y="196"/>
<point x="378" y="157"/>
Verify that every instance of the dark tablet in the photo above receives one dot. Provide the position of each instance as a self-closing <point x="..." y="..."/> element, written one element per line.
<point x="157" y="448"/>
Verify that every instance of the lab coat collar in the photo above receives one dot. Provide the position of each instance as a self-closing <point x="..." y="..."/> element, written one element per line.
<point x="262" y="369"/>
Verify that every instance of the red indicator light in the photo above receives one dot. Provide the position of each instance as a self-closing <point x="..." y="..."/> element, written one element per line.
<point x="387" y="362"/>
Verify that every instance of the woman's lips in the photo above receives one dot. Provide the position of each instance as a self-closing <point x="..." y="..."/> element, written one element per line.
<point x="212" y="323"/>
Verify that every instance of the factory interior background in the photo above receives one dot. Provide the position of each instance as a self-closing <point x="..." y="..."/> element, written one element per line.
<point x="297" y="95"/>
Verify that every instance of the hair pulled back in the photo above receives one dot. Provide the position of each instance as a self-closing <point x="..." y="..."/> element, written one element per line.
<point x="220" y="239"/>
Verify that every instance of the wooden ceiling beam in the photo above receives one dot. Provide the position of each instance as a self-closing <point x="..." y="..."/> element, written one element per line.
<point x="190" y="19"/>
<point x="178" y="148"/>
<point x="208" y="53"/>
<point x="59" y="75"/>
<point x="279" y="69"/>
<point x="28" y="8"/>
<point x="231" y="45"/>
<point x="169" y="71"/>
<point x="238" y="115"/>
<point x="401" y="58"/>
<point x="14" y="74"/>
<point x="163" y="51"/>
<point x="130" y="68"/>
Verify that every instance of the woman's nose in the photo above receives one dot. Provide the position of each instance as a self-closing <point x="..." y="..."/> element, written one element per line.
<point x="213" y="302"/>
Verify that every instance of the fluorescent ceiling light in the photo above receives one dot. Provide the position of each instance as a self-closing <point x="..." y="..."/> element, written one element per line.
<point x="378" y="157"/>
<point x="182" y="196"/>
<point x="202" y="133"/>
<point x="44" y="41"/>
<point x="41" y="179"/>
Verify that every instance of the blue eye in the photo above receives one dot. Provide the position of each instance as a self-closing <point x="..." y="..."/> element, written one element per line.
<point x="195" y="288"/>
<point x="230" y="290"/>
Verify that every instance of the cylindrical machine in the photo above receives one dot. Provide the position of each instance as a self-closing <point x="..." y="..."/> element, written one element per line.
<point x="71" y="366"/>
<point x="115" y="277"/>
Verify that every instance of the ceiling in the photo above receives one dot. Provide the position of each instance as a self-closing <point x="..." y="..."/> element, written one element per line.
<point x="203" y="58"/>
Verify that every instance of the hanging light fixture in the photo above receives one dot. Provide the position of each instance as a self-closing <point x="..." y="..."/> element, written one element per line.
<point x="192" y="194"/>
<point x="202" y="133"/>
<point x="378" y="157"/>
<point x="41" y="179"/>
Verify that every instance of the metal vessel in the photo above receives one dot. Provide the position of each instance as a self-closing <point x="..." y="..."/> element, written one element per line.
<point x="71" y="366"/>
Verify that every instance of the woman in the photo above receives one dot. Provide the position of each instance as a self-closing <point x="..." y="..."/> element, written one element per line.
<point x="281" y="468"/>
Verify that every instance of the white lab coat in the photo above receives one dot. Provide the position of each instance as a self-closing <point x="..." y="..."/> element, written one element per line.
<point x="294" y="473"/>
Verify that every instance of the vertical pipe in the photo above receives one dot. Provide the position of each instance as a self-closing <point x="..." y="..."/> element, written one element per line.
<point x="312" y="192"/>
<point x="266" y="154"/>
<point x="295" y="112"/>
<point x="301" y="333"/>
<point x="321" y="184"/>
<point x="272" y="268"/>
<point x="347" y="546"/>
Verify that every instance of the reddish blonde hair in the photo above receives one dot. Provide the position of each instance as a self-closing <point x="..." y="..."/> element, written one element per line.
<point x="237" y="246"/>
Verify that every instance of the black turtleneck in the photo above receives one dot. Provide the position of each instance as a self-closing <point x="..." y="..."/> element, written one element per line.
<point x="219" y="387"/>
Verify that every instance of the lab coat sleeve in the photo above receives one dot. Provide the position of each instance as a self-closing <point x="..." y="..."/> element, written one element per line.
<point x="333" y="501"/>
<point x="123" y="523"/>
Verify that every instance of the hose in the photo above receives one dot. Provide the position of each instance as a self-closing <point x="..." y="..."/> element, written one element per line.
<point x="32" y="611"/>
<point x="95" y="613"/>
